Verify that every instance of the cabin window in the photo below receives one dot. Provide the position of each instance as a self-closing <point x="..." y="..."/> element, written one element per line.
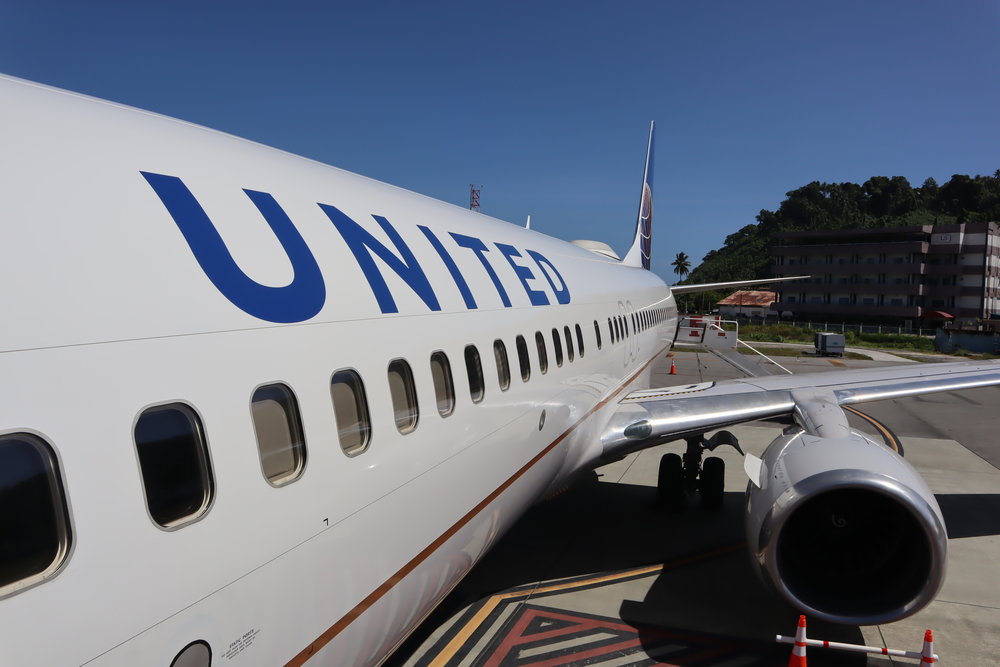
<point x="350" y="408"/>
<point x="569" y="343"/>
<point x="173" y="458"/>
<point x="34" y="521"/>
<point x="444" y="388"/>
<point x="557" y="346"/>
<point x="579" y="340"/>
<point x="618" y="329"/>
<point x="597" y="333"/>
<point x="543" y="355"/>
<point x="405" y="410"/>
<point x="522" y="358"/>
<point x="195" y="654"/>
<point x="611" y="330"/>
<point x="474" y="368"/>
<point x="280" y="442"/>
<point x="503" y="364"/>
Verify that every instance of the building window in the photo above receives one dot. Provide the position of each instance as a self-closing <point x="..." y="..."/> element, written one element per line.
<point x="597" y="334"/>
<point x="523" y="360"/>
<point x="557" y="346"/>
<point x="474" y="369"/>
<point x="503" y="364"/>
<point x="34" y="521"/>
<point x="569" y="343"/>
<point x="280" y="443"/>
<point x="350" y="408"/>
<point x="173" y="458"/>
<point x="405" y="410"/>
<point x="543" y="356"/>
<point x="444" y="388"/>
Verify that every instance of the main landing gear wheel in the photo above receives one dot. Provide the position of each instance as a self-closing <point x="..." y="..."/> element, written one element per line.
<point x="712" y="482"/>
<point x="679" y="476"/>
<point x="670" y="483"/>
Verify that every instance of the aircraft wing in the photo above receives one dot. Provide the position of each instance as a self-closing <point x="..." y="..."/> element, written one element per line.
<point x="653" y="416"/>
<point x="708" y="287"/>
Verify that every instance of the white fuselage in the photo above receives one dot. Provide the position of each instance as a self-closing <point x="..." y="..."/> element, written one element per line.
<point x="108" y="312"/>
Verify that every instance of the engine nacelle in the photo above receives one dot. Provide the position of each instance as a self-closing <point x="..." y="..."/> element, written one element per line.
<point x="863" y="544"/>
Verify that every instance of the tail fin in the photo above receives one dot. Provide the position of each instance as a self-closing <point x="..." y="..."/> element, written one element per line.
<point x="638" y="254"/>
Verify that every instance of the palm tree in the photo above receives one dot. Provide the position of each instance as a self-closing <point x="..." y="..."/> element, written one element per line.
<point x="681" y="264"/>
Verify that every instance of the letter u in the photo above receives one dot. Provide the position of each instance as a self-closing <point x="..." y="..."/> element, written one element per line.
<point x="299" y="300"/>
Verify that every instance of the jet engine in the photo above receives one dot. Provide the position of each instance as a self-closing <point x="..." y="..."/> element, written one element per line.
<point x="844" y="528"/>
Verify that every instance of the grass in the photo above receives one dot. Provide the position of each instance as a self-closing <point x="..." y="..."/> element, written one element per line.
<point x="786" y="333"/>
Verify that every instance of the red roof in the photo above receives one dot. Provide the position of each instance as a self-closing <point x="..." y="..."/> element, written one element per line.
<point x="750" y="298"/>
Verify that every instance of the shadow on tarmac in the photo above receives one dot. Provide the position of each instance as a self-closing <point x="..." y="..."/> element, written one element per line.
<point x="708" y="589"/>
<point x="970" y="514"/>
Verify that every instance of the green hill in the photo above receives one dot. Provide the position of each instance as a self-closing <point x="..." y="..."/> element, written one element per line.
<point x="879" y="202"/>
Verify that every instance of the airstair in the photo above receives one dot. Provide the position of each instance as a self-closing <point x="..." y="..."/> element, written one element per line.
<point x="721" y="338"/>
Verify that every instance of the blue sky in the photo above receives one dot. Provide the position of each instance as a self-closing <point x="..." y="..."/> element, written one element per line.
<point x="547" y="104"/>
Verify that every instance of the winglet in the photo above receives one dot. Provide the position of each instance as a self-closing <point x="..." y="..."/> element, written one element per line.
<point x="638" y="254"/>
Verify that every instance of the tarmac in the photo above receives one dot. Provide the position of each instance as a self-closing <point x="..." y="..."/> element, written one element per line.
<point x="600" y="576"/>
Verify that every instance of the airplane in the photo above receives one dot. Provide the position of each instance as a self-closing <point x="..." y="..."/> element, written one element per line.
<point x="259" y="410"/>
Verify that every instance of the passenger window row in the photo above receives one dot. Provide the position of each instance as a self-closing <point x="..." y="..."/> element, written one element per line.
<point x="173" y="454"/>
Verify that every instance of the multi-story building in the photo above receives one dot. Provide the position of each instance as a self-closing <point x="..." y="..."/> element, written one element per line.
<point x="896" y="274"/>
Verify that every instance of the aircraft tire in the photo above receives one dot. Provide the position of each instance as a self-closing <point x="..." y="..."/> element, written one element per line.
<point x="670" y="483"/>
<point x="713" y="480"/>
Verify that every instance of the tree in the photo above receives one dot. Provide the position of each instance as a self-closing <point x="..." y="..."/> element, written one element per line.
<point x="681" y="264"/>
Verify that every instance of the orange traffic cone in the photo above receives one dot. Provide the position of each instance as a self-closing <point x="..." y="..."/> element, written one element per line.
<point x="927" y="655"/>
<point x="673" y="367"/>
<point x="798" y="657"/>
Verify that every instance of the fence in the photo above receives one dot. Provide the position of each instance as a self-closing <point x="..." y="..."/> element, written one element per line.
<point x="841" y="327"/>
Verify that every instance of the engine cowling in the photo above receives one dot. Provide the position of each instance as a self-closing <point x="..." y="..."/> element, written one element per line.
<point x="845" y="529"/>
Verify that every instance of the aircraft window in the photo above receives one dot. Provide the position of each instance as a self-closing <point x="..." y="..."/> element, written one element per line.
<point x="405" y="410"/>
<point x="597" y="333"/>
<point x="579" y="340"/>
<point x="444" y="388"/>
<point x="543" y="356"/>
<point x="350" y="408"/>
<point x="628" y="332"/>
<point x="503" y="364"/>
<point x="618" y="329"/>
<point x="474" y="367"/>
<point x="195" y="654"/>
<point x="522" y="358"/>
<point x="34" y="521"/>
<point x="611" y="330"/>
<point x="173" y="458"/>
<point x="557" y="345"/>
<point x="280" y="442"/>
<point x="569" y="343"/>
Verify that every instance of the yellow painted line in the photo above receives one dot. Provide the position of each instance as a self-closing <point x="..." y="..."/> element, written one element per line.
<point x="887" y="435"/>
<point x="480" y="617"/>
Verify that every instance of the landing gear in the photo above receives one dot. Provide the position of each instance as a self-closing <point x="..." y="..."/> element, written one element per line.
<point x="679" y="477"/>
<point x="713" y="480"/>
<point x="670" y="483"/>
